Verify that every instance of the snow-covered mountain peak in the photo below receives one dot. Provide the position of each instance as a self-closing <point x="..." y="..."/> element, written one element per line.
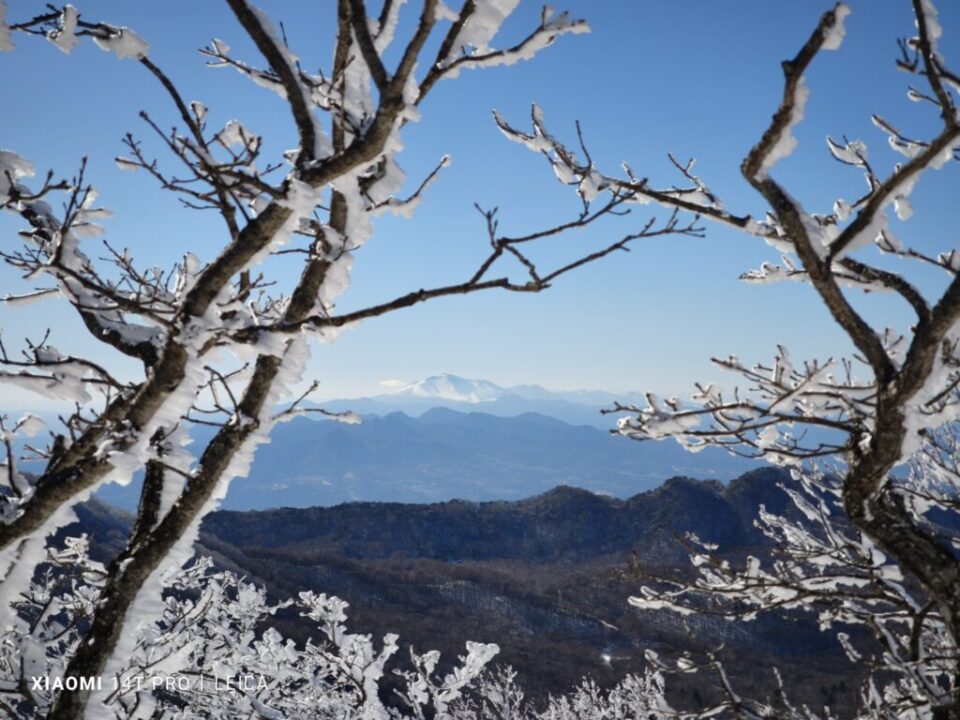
<point x="452" y="388"/>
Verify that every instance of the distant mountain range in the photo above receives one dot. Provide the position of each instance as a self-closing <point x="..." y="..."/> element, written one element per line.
<point x="470" y="536"/>
<point x="444" y="454"/>
<point x="546" y="577"/>
<point x="578" y="407"/>
<point x="564" y="524"/>
<point x="447" y="437"/>
<point x="451" y="388"/>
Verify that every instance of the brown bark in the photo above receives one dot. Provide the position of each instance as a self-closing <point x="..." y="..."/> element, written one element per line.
<point x="56" y="489"/>
<point x="151" y="545"/>
<point x="870" y="502"/>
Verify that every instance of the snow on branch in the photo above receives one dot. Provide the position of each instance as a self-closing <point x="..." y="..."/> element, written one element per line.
<point x="210" y="655"/>
<point x="209" y="652"/>
<point x="467" y="44"/>
<point x="866" y="544"/>
<point x="822" y="565"/>
<point x="785" y="414"/>
<point x="223" y="342"/>
<point x="63" y="26"/>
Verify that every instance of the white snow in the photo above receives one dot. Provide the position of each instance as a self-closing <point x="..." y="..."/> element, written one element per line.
<point x="322" y="141"/>
<point x="12" y="168"/>
<point x="220" y="47"/>
<point x="198" y="109"/>
<point x="234" y="134"/>
<point x="470" y="50"/>
<point x="28" y="298"/>
<point x="934" y="29"/>
<point x="835" y="35"/>
<point x="123" y="42"/>
<point x="479" y="29"/>
<point x="6" y="35"/>
<point x="786" y="143"/>
<point x="126" y="164"/>
<point x="871" y="231"/>
<point x="17" y="166"/>
<point x="452" y="388"/>
<point x="887" y="242"/>
<point x="31" y="425"/>
<point x="65" y="37"/>
<point x="853" y="152"/>
<point x="842" y="209"/>
<point x="148" y="605"/>
<point x="384" y="34"/>
<point x="902" y="207"/>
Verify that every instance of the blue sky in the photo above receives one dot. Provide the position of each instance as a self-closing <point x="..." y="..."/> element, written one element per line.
<point x="697" y="78"/>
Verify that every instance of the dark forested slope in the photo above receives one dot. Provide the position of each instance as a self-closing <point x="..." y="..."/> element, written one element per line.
<point x="547" y="578"/>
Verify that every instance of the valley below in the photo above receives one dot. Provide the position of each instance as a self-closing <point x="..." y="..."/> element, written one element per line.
<point x="459" y="510"/>
<point x="547" y="578"/>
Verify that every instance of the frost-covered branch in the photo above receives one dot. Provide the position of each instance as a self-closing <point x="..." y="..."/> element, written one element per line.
<point x="210" y="653"/>
<point x="824" y="401"/>
<point x="206" y="332"/>
<point x="877" y="409"/>
<point x="821" y="564"/>
<point x="502" y="248"/>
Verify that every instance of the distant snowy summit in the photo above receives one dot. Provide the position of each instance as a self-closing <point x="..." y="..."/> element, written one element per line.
<point x="576" y="407"/>
<point x="451" y="388"/>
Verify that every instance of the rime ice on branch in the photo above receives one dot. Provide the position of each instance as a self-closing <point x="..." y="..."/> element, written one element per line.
<point x="220" y="344"/>
<point x="897" y="397"/>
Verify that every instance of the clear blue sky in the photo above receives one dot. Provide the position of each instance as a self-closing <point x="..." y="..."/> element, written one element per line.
<point x="698" y="78"/>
